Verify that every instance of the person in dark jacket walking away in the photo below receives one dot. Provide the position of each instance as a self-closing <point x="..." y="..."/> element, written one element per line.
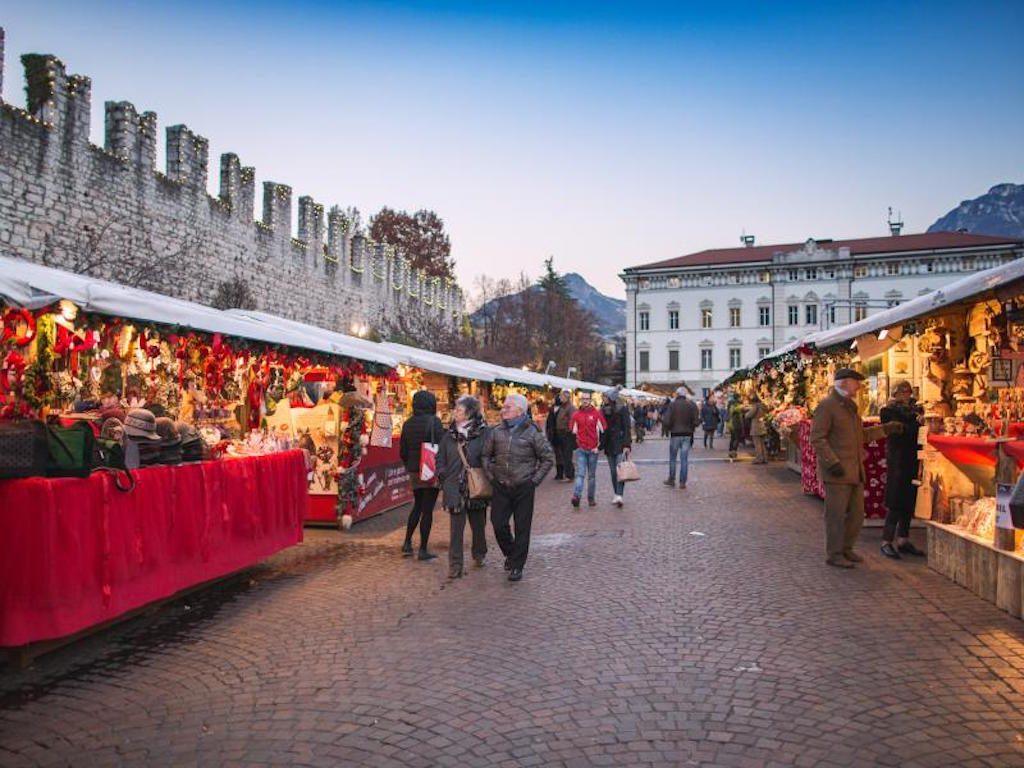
<point x="683" y="418"/>
<point x="663" y="416"/>
<point x="422" y="427"/>
<point x="560" y="435"/>
<point x="640" y="422"/>
<point x="516" y="458"/>
<point x="463" y="442"/>
<point x="709" y="421"/>
<point x="615" y="439"/>
<point x="587" y="425"/>
<point x="901" y="466"/>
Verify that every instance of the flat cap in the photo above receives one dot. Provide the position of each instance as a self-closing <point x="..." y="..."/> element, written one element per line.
<point x="848" y="373"/>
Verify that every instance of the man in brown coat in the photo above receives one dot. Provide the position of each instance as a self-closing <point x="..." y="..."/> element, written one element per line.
<point x="838" y="437"/>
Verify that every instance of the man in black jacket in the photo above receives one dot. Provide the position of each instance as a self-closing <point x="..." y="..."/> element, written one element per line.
<point x="683" y="418"/>
<point x="516" y="458"/>
<point x="616" y="439"/>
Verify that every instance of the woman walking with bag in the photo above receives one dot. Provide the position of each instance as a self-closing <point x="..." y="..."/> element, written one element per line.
<point x="423" y="428"/>
<point x="465" y="487"/>
<point x="615" y="440"/>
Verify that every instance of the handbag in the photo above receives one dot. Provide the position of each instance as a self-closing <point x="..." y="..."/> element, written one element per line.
<point x="478" y="486"/>
<point x="23" y="449"/>
<point x="626" y="471"/>
<point x="428" y="459"/>
<point x="71" y="450"/>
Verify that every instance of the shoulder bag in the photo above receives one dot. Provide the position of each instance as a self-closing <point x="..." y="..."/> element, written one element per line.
<point x="477" y="484"/>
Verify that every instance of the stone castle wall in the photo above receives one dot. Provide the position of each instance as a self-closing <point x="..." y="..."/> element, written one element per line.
<point x="109" y="212"/>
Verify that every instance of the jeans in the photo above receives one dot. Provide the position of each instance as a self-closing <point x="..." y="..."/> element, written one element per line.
<point x="421" y="514"/>
<point x="586" y="464"/>
<point x="513" y="504"/>
<point x="722" y="415"/>
<point x="709" y="438"/>
<point x="679" y="446"/>
<point x="613" y="463"/>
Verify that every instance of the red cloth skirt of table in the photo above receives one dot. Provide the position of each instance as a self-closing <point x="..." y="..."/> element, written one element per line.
<point x="969" y="451"/>
<point x="77" y="552"/>
<point x="874" y="471"/>
<point x="1015" y="450"/>
<point x="386" y="483"/>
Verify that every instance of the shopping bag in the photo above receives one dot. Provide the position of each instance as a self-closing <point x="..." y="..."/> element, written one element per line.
<point x="626" y="471"/>
<point x="428" y="462"/>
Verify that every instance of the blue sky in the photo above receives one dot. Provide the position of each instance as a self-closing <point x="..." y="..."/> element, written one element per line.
<point x="605" y="134"/>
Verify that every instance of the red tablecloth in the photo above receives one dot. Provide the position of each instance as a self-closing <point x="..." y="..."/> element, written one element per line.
<point x="1015" y="450"/>
<point x="967" y="451"/>
<point x="77" y="552"/>
<point x="874" y="470"/>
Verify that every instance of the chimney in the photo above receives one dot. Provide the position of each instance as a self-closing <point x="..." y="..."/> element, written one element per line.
<point x="895" y="223"/>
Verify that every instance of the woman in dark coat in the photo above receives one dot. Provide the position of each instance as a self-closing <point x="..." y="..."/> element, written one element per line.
<point x="900" y="472"/>
<point x="468" y="432"/>
<point x="422" y="427"/>
<point x="709" y="422"/>
<point x="616" y="439"/>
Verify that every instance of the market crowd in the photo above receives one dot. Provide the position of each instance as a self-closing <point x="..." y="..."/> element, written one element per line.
<point x="474" y="467"/>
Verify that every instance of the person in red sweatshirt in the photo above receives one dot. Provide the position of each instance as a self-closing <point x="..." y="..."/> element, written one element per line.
<point x="587" y="424"/>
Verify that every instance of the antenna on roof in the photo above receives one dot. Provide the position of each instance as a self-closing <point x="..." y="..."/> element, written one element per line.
<point x="895" y="224"/>
<point x="747" y="240"/>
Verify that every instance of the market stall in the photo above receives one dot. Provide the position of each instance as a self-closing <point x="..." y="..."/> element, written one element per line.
<point x="137" y="453"/>
<point x="962" y="350"/>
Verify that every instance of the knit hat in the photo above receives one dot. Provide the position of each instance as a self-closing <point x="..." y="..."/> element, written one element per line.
<point x="112" y="429"/>
<point x="140" y="424"/>
<point x="612" y="394"/>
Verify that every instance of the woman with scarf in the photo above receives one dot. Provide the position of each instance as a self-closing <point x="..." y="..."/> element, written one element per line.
<point x="901" y="467"/>
<point x="464" y="438"/>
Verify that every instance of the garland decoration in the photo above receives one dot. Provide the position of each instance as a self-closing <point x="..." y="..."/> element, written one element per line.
<point x="351" y="448"/>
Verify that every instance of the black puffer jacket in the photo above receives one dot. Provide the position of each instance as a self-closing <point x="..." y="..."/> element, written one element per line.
<point x="517" y="456"/>
<point x="450" y="470"/>
<point x="422" y="427"/>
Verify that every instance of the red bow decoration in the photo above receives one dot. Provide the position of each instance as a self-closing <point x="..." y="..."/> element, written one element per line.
<point x="13" y="318"/>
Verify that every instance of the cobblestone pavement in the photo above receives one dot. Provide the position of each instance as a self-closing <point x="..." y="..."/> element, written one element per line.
<point x="693" y="627"/>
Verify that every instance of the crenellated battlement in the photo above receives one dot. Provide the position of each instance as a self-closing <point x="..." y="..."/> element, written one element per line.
<point x="93" y="208"/>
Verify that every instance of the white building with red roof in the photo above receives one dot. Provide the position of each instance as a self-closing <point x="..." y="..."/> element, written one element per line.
<point x="699" y="317"/>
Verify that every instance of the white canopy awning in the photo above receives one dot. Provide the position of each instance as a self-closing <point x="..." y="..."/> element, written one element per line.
<point x="437" y="362"/>
<point x="34" y="286"/>
<point x="969" y="287"/>
<point x="353" y="345"/>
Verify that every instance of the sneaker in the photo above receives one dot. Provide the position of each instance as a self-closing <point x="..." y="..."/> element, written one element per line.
<point x="682" y="486"/>
<point x="907" y="548"/>
<point x="839" y="562"/>
<point x="670" y="483"/>
<point x="617" y="501"/>
<point x="516" y="574"/>
<point x="576" y="502"/>
<point x="424" y="555"/>
<point x="591" y="503"/>
<point x="853" y="557"/>
<point x="890" y="551"/>
<point x="455" y="572"/>
<point x="478" y="561"/>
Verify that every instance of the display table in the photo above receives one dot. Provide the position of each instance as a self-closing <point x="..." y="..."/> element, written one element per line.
<point x="874" y="471"/>
<point x="75" y="553"/>
<point x="974" y="456"/>
<point x="994" y="575"/>
<point x="386" y="483"/>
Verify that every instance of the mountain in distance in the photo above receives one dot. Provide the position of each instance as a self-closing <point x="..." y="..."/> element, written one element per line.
<point x="1000" y="211"/>
<point x="609" y="313"/>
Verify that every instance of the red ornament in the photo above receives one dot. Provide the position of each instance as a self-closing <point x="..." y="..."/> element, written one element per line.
<point x="13" y="319"/>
